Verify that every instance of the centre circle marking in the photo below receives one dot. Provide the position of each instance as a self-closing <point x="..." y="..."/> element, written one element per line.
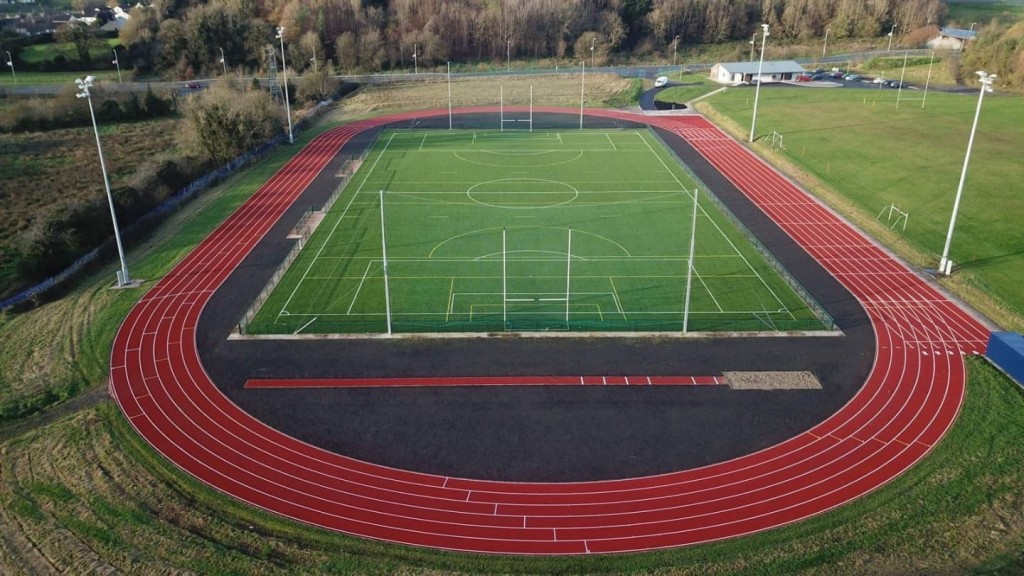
<point x="478" y="193"/>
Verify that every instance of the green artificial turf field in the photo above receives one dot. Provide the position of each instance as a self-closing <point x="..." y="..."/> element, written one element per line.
<point x="490" y="231"/>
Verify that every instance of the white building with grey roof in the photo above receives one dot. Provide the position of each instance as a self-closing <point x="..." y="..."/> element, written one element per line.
<point x="740" y="72"/>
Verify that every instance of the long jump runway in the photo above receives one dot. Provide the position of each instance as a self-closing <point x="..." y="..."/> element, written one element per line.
<point x="909" y="399"/>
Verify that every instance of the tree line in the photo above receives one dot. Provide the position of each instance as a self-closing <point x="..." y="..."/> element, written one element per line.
<point x="189" y="37"/>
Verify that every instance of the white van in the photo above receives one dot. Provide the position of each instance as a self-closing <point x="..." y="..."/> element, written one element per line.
<point x="661" y="81"/>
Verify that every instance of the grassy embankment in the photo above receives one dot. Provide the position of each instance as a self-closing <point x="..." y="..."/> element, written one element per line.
<point x="43" y="172"/>
<point x="85" y="492"/>
<point x="854" y="149"/>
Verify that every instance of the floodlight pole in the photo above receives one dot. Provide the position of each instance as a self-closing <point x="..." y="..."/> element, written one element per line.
<point x="689" y="266"/>
<point x="415" y="62"/>
<point x="593" y="62"/>
<point x="118" y="64"/>
<point x="945" y="266"/>
<point x="123" y="278"/>
<point x="284" y="69"/>
<point x="752" y="40"/>
<point x="890" y="37"/>
<point x="825" y="47"/>
<point x="928" y="81"/>
<point x="384" y="253"/>
<point x="675" y="47"/>
<point x="449" y="95"/>
<point x="10" y="62"/>
<point x="583" y="83"/>
<point x="757" y="91"/>
<point x="223" y="61"/>
<point x="508" y="55"/>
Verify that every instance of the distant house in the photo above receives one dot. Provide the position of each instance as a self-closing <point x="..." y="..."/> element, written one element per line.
<point x="952" y="38"/>
<point x="740" y="72"/>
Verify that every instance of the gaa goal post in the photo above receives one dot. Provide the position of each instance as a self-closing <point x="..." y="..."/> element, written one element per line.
<point x="516" y="119"/>
<point x="520" y="298"/>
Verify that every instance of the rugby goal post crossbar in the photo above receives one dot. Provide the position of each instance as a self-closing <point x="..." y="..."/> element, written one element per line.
<point x="504" y="279"/>
<point x="501" y="108"/>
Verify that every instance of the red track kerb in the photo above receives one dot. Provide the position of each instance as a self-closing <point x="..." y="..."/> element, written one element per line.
<point x="910" y="399"/>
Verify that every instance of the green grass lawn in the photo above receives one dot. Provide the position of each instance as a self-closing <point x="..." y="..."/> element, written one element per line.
<point x="37" y="53"/>
<point x="37" y="78"/>
<point x="478" y="239"/>
<point x="964" y="13"/>
<point x="872" y="155"/>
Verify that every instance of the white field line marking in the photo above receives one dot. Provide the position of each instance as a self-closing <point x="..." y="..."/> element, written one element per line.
<point x="609" y="137"/>
<point x="451" y="299"/>
<point x="615" y="296"/>
<point x="710" y="293"/>
<point x="304" y="326"/>
<point x="423" y="141"/>
<point x="360" y="287"/>
<point x="717" y="227"/>
<point x="336" y="224"/>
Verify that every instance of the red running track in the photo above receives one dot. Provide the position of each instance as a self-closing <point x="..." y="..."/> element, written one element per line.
<point x="910" y="399"/>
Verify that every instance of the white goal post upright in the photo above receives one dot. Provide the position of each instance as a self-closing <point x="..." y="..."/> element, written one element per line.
<point x="689" y="265"/>
<point x="583" y="83"/>
<point x="514" y="119"/>
<point x="568" y="275"/>
<point x="903" y="75"/>
<point x="384" y="252"/>
<point x="504" y="281"/>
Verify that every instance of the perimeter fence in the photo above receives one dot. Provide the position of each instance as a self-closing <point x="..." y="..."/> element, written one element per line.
<point x="303" y="230"/>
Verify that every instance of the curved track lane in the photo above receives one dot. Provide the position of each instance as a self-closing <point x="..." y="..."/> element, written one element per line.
<point x="910" y="399"/>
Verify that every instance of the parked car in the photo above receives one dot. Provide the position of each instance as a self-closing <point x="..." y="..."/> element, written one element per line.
<point x="818" y="77"/>
<point x="853" y="77"/>
<point x="803" y="78"/>
<point x="880" y="80"/>
<point x="661" y="81"/>
<point x="193" y="85"/>
<point x="837" y="75"/>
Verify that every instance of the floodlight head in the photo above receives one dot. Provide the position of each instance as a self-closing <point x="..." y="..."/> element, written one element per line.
<point x="89" y="80"/>
<point x="765" y="28"/>
<point x="280" y="32"/>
